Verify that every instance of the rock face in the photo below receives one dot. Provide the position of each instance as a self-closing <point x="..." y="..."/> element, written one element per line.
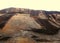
<point x="20" y="22"/>
<point x="18" y="25"/>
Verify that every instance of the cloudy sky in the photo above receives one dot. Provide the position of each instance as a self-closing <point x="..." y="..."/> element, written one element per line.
<point x="31" y="4"/>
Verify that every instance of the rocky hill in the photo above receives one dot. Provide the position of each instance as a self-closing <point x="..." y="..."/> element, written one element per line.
<point x="19" y="25"/>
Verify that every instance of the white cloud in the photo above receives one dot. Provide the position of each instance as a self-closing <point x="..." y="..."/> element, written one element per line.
<point x="32" y="4"/>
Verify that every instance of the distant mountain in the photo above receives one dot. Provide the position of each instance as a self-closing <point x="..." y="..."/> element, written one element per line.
<point x="22" y="10"/>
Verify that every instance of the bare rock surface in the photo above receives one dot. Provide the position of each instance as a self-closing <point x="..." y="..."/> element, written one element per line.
<point x="20" y="40"/>
<point x="18" y="25"/>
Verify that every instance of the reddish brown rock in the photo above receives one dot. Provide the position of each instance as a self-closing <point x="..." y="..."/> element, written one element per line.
<point x="19" y="22"/>
<point x="20" y="40"/>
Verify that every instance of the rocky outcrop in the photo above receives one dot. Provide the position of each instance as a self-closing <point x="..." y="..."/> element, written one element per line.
<point x="19" y="25"/>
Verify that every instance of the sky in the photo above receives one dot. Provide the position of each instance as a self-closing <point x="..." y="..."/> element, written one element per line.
<point x="53" y="5"/>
